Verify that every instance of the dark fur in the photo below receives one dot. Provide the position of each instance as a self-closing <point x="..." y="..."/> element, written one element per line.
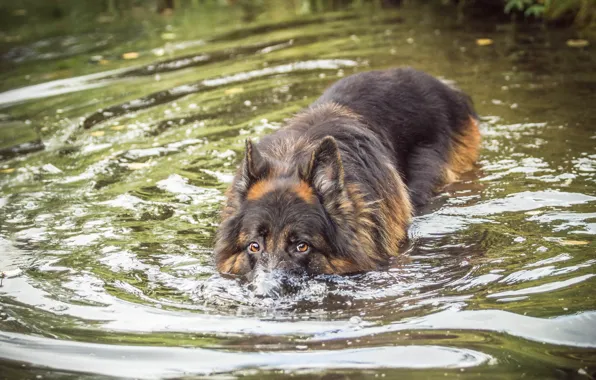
<point x="346" y="175"/>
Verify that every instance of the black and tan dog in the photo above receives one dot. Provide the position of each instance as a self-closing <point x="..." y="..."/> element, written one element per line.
<point x="334" y="190"/>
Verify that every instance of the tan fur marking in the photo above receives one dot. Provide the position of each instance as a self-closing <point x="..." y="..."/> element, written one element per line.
<point x="343" y="266"/>
<point x="305" y="192"/>
<point x="394" y="211"/>
<point x="230" y="205"/>
<point x="396" y="214"/>
<point x="242" y="239"/>
<point x="324" y="267"/>
<point x="259" y="189"/>
<point x="233" y="264"/>
<point x="363" y="213"/>
<point x="226" y="265"/>
<point x="449" y="176"/>
<point x="238" y="264"/>
<point x="464" y="151"/>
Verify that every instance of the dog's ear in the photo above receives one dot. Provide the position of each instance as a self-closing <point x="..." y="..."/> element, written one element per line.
<point x="254" y="167"/>
<point x="324" y="171"/>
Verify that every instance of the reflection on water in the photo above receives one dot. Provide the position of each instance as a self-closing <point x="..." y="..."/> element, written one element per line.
<point x="111" y="180"/>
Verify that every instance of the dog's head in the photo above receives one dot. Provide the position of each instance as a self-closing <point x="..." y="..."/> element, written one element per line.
<point x="295" y="218"/>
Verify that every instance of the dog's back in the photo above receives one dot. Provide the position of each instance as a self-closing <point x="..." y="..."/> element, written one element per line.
<point x="429" y="126"/>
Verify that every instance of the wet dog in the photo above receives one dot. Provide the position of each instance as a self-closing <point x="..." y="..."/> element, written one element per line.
<point x="334" y="190"/>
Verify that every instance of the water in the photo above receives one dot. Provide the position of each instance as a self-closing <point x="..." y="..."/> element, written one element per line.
<point x="113" y="170"/>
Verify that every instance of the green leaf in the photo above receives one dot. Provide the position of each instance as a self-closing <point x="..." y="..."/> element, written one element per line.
<point x="513" y="5"/>
<point x="536" y="10"/>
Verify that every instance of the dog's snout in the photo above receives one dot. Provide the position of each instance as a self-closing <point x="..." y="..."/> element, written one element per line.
<point x="280" y="261"/>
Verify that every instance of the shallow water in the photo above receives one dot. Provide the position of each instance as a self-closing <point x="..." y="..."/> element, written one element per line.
<point x="111" y="176"/>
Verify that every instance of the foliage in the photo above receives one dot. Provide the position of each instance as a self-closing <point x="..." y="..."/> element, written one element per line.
<point x="529" y="7"/>
<point x="582" y="12"/>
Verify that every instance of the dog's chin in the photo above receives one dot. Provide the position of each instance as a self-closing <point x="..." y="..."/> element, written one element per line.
<point x="276" y="283"/>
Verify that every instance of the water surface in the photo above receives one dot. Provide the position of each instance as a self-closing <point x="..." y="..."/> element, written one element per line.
<point x="112" y="171"/>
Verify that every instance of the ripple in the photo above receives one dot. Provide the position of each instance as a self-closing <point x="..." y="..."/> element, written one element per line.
<point x="179" y="185"/>
<point x="160" y="362"/>
<point x="543" y="288"/>
<point x="321" y="64"/>
<point x="178" y="92"/>
<point x="577" y="330"/>
<point x="524" y="201"/>
<point x="58" y="87"/>
<point x="571" y="220"/>
<point x="551" y="260"/>
<point x="549" y="271"/>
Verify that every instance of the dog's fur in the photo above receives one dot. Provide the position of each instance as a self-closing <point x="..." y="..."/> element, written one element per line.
<point x="346" y="175"/>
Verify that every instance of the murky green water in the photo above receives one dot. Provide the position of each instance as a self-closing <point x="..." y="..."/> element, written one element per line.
<point x="112" y="172"/>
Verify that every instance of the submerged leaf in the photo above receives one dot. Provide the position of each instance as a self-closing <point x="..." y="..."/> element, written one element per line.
<point x="234" y="90"/>
<point x="130" y="55"/>
<point x="577" y="43"/>
<point x="484" y="42"/>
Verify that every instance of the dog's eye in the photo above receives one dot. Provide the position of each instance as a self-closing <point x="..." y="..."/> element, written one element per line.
<point x="302" y="247"/>
<point x="254" y="247"/>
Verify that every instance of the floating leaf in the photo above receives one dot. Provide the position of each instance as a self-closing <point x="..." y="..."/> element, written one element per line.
<point x="130" y="55"/>
<point x="234" y="90"/>
<point x="577" y="43"/>
<point x="484" y="42"/>
<point x="574" y="242"/>
<point x="97" y="133"/>
<point x="11" y="273"/>
<point x="104" y="62"/>
<point x="7" y="170"/>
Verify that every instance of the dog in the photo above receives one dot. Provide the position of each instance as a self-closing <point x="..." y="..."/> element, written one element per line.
<point x="334" y="191"/>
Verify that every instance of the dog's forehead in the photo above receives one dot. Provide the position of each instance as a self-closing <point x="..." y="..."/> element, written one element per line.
<point x="282" y="210"/>
<point x="284" y="189"/>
